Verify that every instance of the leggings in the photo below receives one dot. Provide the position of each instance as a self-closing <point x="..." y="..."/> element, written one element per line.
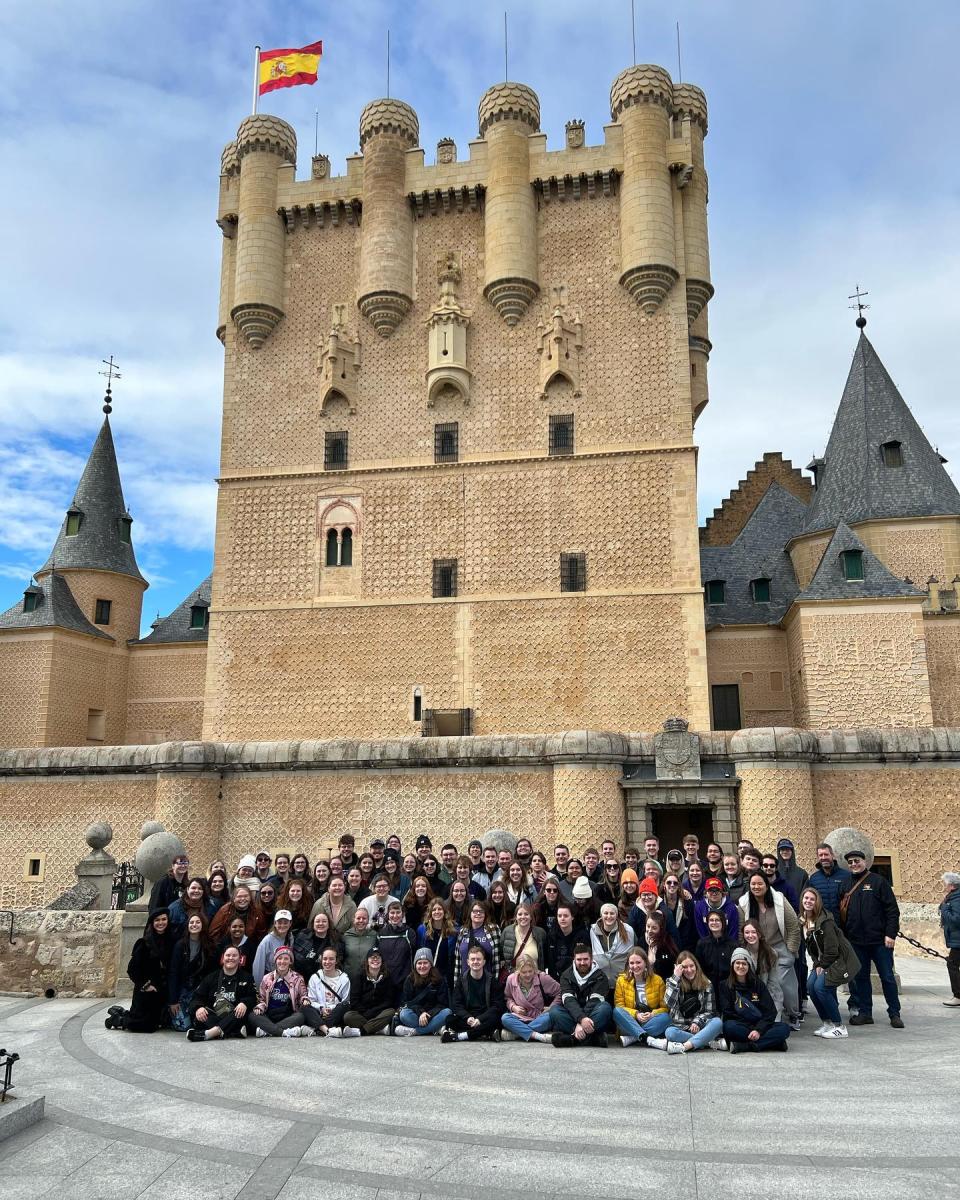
<point x="315" y="1018"/>
<point x="229" y="1025"/>
<point x="275" y="1028"/>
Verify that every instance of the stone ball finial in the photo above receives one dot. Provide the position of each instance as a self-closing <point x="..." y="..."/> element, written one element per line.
<point x="229" y="162"/>
<point x="155" y="854"/>
<point x="389" y="116"/>
<point x="846" y="838"/>
<point x="502" y="839"/>
<point x="690" y="102"/>
<point x="263" y="132"/>
<point x="509" y="102"/>
<point x="149" y="827"/>
<point x="642" y="84"/>
<point x="98" y="835"/>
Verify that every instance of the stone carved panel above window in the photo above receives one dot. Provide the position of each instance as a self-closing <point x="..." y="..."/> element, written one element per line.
<point x="559" y="342"/>
<point x="339" y="363"/>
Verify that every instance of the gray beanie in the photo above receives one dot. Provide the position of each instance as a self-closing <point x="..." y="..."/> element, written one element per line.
<point x="423" y="955"/>
<point x="951" y="879"/>
<point x="741" y="955"/>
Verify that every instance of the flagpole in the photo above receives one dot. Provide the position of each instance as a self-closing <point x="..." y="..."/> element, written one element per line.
<point x="256" y="78"/>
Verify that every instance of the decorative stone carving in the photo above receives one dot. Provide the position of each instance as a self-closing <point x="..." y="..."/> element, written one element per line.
<point x="446" y="150"/>
<point x="256" y="322"/>
<point x="575" y="134"/>
<point x="320" y="166"/>
<point x="677" y="751"/>
<point x="339" y="362"/>
<point x="447" y="336"/>
<point x="384" y="311"/>
<point x="560" y="340"/>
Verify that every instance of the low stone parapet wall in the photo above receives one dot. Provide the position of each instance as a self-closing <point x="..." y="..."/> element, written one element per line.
<point x="67" y="953"/>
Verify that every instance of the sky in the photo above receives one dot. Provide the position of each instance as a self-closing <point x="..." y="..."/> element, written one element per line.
<point x="831" y="160"/>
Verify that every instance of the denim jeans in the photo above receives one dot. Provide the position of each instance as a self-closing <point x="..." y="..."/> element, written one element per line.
<point x="737" y="1031"/>
<point x="861" y="992"/>
<point x="562" y="1022"/>
<point x="655" y="1027"/>
<point x="824" y="997"/>
<point x="712" y="1029"/>
<point x="408" y="1017"/>
<point x="523" y="1029"/>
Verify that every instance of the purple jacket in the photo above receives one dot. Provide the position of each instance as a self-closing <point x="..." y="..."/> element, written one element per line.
<point x="701" y="910"/>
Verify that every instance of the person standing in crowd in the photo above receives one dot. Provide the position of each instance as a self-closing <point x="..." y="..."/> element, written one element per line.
<point x="193" y="899"/>
<point x="638" y="1001"/>
<point x="373" y="1002"/>
<point x="539" y="874"/>
<point x="463" y="870"/>
<point x="458" y="904"/>
<point x="648" y="901"/>
<point x="629" y="892"/>
<point x="479" y="931"/>
<point x="399" y="883"/>
<point x="545" y="909"/>
<point x="345" y="851"/>
<point x="241" y="905"/>
<point x="715" y="951"/>
<point x="246" y="875"/>
<point x="431" y="870"/>
<point x="678" y="909"/>
<point x="487" y="872"/>
<point x="357" y="890"/>
<point x="748" y="1011"/>
<point x="377" y="850"/>
<point x="281" y="934"/>
<point x="715" y="901"/>
<point x="448" y="861"/>
<point x="262" y="866"/>
<point x="828" y="879"/>
<point x="171" y="886"/>
<point x="282" y="1001"/>
<point x="610" y="942"/>
<point x="417" y="901"/>
<point x="713" y="859"/>
<point x="870" y="917"/>
<point x="769" y="868"/>
<point x="281" y="870"/>
<point x="148" y="970"/>
<point x="329" y="994"/>
<point x="950" y="924"/>
<point x="763" y="960"/>
<point x="693" y="880"/>
<point x="500" y="907"/>
<point x="781" y="932"/>
<point x="583" y="897"/>
<point x="222" y="1000"/>
<point x="475" y="854"/>
<point x="309" y="945"/>
<point x="691" y="852"/>
<point x="528" y="996"/>
<point x="193" y="958"/>
<point x="749" y="861"/>
<point x="266" y="901"/>
<point x="523" y="939"/>
<point x="788" y="867"/>
<point x="693" y="1021"/>
<point x="355" y="945"/>
<point x="608" y="890"/>
<point x="561" y="856"/>
<point x="519" y="884"/>
<point x="583" y="1015"/>
<point x="237" y="939"/>
<point x="337" y="905"/>
<point x="657" y="946"/>
<point x="321" y="877"/>
<point x="592" y="866"/>
<point x="425" y="1004"/>
<point x="368" y="868"/>
<point x="834" y="962"/>
<point x="733" y="879"/>
<point x="477" y="1001"/>
<point x="562" y="939"/>
<point x="439" y="936"/>
<point x="651" y="849"/>
<point x="218" y="890"/>
<point x="674" y="862"/>
<point x="375" y="905"/>
<point x="297" y="900"/>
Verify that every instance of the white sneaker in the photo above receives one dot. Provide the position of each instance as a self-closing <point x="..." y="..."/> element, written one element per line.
<point x="718" y="1044"/>
<point x="954" y="1002"/>
<point x="823" y="1030"/>
<point x="659" y="1043"/>
<point x="335" y="1032"/>
<point x="350" y="1031"/>
<point x="628" y="1041"/>
<point x="836" y="1031"/>
<point x="261" y="1032"/>
<point x="403" y="1031"/>
<point x="306" y="1031"/>
<point x="541" y="1037"/>
<point x="675" y="1048"/>
<point x="294" y="1032"/>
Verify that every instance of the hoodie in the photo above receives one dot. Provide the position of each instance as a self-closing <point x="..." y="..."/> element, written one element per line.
<point x="792" y="874"/>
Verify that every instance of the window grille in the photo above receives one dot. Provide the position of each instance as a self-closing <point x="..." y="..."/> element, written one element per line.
<point x="446" y="442"/>
<point x="573" y="572"/>
<point x="335" y="451"/>
<point x="561" y="434"/>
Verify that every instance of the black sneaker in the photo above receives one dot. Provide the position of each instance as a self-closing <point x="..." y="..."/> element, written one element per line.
<point x="447" y="1035"/>
<point x="739" y="1047"/>
<point x="861" y="1019"/>
<point x="562" y="1041"/>
<point x="896" y="1021"/>
<point x="195" y="1035"/>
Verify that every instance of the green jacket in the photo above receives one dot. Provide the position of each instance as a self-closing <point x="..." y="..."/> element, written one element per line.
<point x="830" y="950"/>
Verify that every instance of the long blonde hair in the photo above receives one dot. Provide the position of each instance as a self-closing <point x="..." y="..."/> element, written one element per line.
<point x="700" y="982"/>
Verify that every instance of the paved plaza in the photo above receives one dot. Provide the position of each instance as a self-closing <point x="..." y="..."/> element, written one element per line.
<point x="155" y="1116"/>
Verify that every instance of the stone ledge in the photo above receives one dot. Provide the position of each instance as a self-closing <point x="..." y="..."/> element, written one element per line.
<point x="19" y="1112"/>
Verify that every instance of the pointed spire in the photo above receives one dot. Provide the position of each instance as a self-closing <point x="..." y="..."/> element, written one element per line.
<point x="878" y="463"/>
<point x="96" y="530"/>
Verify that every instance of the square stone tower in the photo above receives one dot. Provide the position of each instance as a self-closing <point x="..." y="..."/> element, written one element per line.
<point x="458" y="478"/>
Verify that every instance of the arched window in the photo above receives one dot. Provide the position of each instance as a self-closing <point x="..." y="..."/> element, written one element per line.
<point x="346" y="548"/>
<point x="331" y="559"/>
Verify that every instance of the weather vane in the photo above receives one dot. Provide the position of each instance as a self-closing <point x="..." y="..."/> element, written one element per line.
<point x="859" y="306"/>
<point x="110" y="374"/>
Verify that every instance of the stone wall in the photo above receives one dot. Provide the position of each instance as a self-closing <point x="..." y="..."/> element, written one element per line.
<point x="943" y="663"/>
<point x="67" y="953"/>
<point x="165" y="693"/>
<point x="756" y="660"/>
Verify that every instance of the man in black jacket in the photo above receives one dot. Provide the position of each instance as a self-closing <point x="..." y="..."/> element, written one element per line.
<point x="561" y="940"/>
<point x="871" y="924"/>
<point x="583" y="1015"/>
<point x="478" y="1002"/>
<point x="222" y="1000"/>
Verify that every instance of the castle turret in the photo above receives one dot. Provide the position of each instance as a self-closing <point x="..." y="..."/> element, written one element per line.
<point x="509" y="113"/>
<point x="690" y="105"/>
<point x="388" y="129"/>
<point x="265" y="144"/>
<point x="641" y="99"/>
<point x="227" y="220"/>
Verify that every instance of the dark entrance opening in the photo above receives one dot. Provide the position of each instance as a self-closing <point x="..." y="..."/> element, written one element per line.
<point x="671" y="825"/>
<point x="726" y="705"/>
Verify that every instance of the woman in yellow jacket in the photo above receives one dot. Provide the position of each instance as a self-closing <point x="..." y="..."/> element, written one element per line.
<point x="639" y="1011"/>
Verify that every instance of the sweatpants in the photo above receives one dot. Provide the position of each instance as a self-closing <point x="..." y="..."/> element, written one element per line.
<point x="369" y="1022"/>
<point x="489" y="1024"/>
<point x="272" y="1027"/>
<point x="737" y="1031"/>
<point x="315" y="1018"/>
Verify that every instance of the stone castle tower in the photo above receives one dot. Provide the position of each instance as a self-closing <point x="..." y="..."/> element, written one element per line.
<point x="458" y="477"/>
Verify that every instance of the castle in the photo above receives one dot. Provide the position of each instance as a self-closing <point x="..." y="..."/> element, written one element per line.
<point x="457" y="507"/>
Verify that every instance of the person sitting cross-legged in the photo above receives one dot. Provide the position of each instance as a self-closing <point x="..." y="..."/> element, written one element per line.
<point x="477" y="1002"/>
<point x="372" y="1001"/>
<point x="639" y="1009"/>
<point x="424" y="1007"/>
<point x="283" y="1001"/>
<point x="222" y="1000"/>
<point x="748" y="1011"/>
<point x="693" y="1015"/>
<point x="583" y="1015"/>
<point x="529" y="994"/>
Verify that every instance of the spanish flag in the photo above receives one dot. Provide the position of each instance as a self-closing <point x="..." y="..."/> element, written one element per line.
<point x="287" y="68"/>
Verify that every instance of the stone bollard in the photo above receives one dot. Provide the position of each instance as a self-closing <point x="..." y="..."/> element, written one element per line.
<point x="98" y="868"/>
<point x="153" y="858"/>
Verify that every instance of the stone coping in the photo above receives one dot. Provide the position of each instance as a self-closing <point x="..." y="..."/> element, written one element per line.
<point x="586" y="746"/>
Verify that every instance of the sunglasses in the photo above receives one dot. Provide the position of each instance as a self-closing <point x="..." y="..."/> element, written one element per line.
<point x="671" y="883"/>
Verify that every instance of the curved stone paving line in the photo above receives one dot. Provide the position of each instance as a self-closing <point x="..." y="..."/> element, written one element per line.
<point x="73" y="1042"/>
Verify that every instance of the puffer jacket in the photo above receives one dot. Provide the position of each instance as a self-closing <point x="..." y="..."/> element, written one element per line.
<point x="511" y="944"/>
<point x="830" y="885"/>
<point x="707" y="1009"/>
<point x="625" y="994"/>
<point x="829" y="949"/>
<point x="950" y="919"/>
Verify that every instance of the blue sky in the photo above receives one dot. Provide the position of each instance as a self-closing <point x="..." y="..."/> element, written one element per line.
<point x="831" y="159"/>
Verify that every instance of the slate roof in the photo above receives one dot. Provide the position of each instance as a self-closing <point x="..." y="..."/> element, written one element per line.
<point x="56" y="609"/>
<point x="853" y="484"/>
<point x="828" y="582"/>
<point x="99" y="497"/>
<point x="176" y="627"/>
<point x="756" y="553"/>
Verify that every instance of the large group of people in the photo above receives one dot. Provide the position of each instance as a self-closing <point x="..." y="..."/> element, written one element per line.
<point x="679" y="952"/>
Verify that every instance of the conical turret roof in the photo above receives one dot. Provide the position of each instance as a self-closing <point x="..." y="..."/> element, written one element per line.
<point x="854" y="484"/>
<point x="98" y="544"/>
<point x="830" y="583"/>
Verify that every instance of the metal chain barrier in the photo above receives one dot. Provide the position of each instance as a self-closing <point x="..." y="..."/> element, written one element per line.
<point x="920" y="946"/>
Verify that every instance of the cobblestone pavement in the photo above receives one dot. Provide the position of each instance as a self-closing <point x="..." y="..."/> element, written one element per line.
<point x="382" y="1118"/>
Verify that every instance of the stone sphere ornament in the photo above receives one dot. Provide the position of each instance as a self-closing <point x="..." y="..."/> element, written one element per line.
<point x="156" y="853"/>
<point x="502" y="839"/>
<point x="149" y="827"/>
<point x="98" y="835"/>
<point x="845" y="839"/>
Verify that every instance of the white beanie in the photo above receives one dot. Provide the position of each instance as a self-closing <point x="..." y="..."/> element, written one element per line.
<point x="247" y="861"/>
